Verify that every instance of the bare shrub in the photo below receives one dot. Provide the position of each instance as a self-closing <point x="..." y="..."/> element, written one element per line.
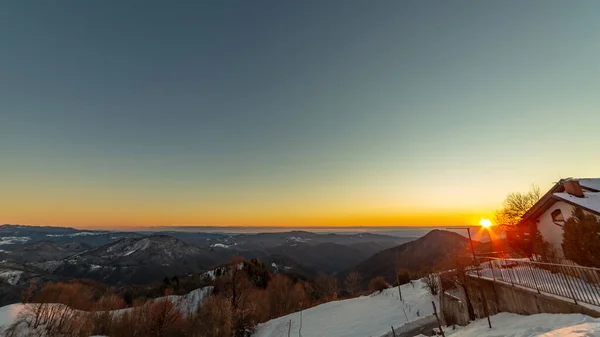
<point x="378" y="284"/>
<point x="432" y="283"/>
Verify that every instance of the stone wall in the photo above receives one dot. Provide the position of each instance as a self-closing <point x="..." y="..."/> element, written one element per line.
<point x="501" y="297"/>
<point x="454" y="309"/>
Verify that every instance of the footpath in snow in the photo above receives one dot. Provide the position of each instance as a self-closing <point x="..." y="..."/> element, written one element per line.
<point x="363" y="316"/>
<point x="540" y="325"/>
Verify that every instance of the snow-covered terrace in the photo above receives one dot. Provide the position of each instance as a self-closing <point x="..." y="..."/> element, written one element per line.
<point x="571" y="282"/>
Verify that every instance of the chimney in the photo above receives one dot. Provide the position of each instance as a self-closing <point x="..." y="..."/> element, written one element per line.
<point x="573" y="188"/>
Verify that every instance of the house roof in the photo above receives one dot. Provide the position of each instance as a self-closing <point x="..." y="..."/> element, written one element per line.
<point x="590" y="183"/>
<point x="590" y="201"/>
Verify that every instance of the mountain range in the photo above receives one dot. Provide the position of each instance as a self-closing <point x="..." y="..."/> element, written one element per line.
<point x="126" y="258"/>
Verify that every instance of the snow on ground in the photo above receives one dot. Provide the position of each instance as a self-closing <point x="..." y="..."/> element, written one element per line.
<point x="540" y="325"/>
<point x="189" y="302"/>
<point x="297" y="239"/>
<point x="11" y="276"/>
<point x="76" y="234"/>
<point x="9" y="313"/>
<point x="224" y="270"/>
<point x="186" y="304"/>
<point x="220" y="245"/>
<point x="371" y="315"/>
<point x="11" y="240"/>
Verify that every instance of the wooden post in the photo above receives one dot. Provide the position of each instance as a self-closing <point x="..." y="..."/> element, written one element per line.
<point x="398" y="277"/>
<point x="393" y="332"/>
<point x="438" y="319"/>
<point x="400" y="291"/>
<point x="300" y="330"/>
<point x="485" y="307"/>
<point x="405" y="315"/>
<point x="290" y="328"/>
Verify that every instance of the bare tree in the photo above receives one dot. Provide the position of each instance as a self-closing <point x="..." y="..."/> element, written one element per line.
<point x="214" y="318"/>
<point x="515" y="205"/>
<point x="352" y="283"/>
<point x="326" y="287"/>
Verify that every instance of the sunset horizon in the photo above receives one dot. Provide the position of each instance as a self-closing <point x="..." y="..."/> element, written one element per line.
<point x="291" y="114"/>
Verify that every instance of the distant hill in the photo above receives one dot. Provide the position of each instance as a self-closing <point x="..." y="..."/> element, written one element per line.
<point x="43" y="251"/>
<point x="325" y="257"/>
<point x="140" y="258"/>
<point x="418" y="256"/>
<point x="134" y="261"/>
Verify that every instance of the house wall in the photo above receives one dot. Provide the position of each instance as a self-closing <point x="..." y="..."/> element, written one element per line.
<point x="551" y="232"/>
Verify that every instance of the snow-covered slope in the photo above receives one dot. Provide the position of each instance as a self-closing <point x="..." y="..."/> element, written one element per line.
<point x="9" y="313"/>
<point x="540" y="325"/>
<point x="371" y="315"/>
<point x="11" y="276"/>
<point x="186" y="304"/>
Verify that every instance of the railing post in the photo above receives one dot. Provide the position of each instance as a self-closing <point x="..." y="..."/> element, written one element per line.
<point x="509" y="274"/>
<point x="492" y="270"/>
<point x="568" y="285"/>
<point x="534" y="280"/>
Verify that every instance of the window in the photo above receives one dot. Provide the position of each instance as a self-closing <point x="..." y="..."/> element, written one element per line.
<point x="558" y="218"/>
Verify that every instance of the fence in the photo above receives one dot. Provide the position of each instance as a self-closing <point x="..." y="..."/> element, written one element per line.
<point x="581" y="284"/>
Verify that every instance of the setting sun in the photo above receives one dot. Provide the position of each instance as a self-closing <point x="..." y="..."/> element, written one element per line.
<point x="485" y="223"/>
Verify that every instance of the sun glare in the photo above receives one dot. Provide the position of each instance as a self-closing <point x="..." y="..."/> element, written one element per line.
<point x="485" y="223"/>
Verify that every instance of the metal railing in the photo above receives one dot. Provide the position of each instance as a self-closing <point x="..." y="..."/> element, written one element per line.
<point x="580" y="284"/>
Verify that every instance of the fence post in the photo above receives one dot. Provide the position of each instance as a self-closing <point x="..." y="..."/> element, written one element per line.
<point x="393" y="332"/>
<point x="492" y="270"/>
<point x="437" y="318"/>
<point x="290" y="328"/>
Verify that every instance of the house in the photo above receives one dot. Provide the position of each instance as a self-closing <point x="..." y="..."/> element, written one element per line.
<point x="549" y="214"/>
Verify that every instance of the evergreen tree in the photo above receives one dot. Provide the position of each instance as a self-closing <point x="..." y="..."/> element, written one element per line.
<point x="581" y="238"/>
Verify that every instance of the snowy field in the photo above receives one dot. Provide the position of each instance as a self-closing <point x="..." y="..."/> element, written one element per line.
<point x="540" y="325"/>
<point x="364" y="316"/>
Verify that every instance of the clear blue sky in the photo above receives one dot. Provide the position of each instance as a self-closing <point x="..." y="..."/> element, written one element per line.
<point x="277" y="113"/>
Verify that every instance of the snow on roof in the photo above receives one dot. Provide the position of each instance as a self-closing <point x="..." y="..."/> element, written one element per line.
<point x="590" y="201"/>
<point x="593" y="183"/>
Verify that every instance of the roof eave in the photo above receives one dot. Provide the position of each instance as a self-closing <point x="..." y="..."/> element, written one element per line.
<point x="539" y="207"/>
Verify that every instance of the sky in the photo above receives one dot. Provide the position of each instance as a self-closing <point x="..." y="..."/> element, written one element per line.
<point x="308" y="113"/>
